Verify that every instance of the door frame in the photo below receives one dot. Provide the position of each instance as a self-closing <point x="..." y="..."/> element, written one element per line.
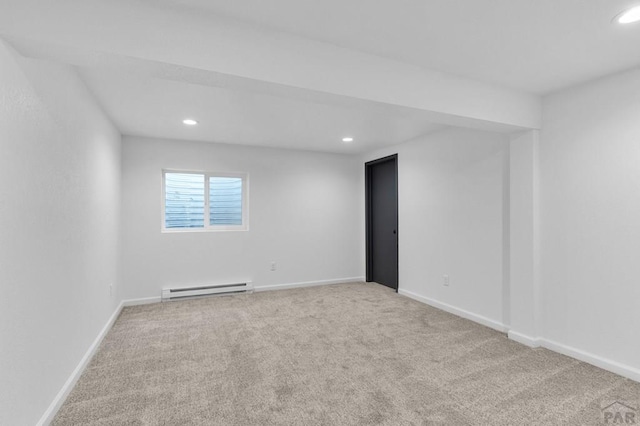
<point x="368" y="222"/>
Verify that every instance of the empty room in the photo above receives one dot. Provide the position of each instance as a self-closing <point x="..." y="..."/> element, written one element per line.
<point x="306" y="212"/>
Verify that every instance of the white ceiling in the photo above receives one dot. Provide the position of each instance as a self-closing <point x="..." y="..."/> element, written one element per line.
<point x="534" y="45"/>
<point x="152" y="63"/>
<point x="153" y="107"/>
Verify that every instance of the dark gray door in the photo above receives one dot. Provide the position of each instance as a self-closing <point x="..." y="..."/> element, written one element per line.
<point x="382" y="220"/>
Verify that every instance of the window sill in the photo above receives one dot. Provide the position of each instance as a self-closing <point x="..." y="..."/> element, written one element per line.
<point x="199" y="230"/>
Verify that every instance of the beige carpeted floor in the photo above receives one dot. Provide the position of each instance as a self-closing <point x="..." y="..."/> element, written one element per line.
<point x="332" y="355"/>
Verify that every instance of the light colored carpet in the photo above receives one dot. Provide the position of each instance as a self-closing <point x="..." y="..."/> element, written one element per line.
<point x="332" y="355"/>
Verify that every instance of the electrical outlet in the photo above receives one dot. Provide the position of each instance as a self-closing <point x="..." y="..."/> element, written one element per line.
<point x="445" y="280"/>
<point x="110" y="289"/>
<point x="273" y="266"/>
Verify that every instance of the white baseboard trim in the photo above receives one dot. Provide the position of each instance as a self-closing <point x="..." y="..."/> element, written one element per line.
<point x="456" y="311"/>
<point x="606" y="364"/>
<point x="307" y="284"/>
<point x="51" y="412"/>
<point x="141" y="301"/>
<point x="532" y="342"/>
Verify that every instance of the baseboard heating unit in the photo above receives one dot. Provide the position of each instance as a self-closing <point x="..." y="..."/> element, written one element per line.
<point x="200" y="291"/>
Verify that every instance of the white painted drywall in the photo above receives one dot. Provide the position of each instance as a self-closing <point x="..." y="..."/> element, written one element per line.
<point x="524" y="289"/>
<point x="83" y="32"/>
<point x="59" y="205"/>
<point x="451" y="194"/>
<point x="590" y="218"/>
<point x="303" y="214"/>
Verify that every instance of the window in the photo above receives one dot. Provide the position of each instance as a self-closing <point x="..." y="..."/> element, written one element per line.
<point x="204" y="201"/>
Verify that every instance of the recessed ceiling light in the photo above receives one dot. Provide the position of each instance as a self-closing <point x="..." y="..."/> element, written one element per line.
<point x="629" y="15"/>
<point x="189" y="122"/>
<point x="347" y="139"/>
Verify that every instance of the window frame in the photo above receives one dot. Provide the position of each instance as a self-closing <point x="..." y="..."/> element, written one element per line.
<point x="207" y="219"/>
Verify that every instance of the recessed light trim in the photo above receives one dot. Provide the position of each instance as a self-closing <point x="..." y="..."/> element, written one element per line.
<point x="189" y="122"/>
<point x="347" y="139"/>
<point x="629" y="16"/>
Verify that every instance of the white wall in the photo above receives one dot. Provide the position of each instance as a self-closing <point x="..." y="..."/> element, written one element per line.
<point x="524" y="244"/>
<point x="451" y="189"/>
<point x="303" y="214"/>
<point x="59" y="204"/>
<point x="590" y="218"/>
